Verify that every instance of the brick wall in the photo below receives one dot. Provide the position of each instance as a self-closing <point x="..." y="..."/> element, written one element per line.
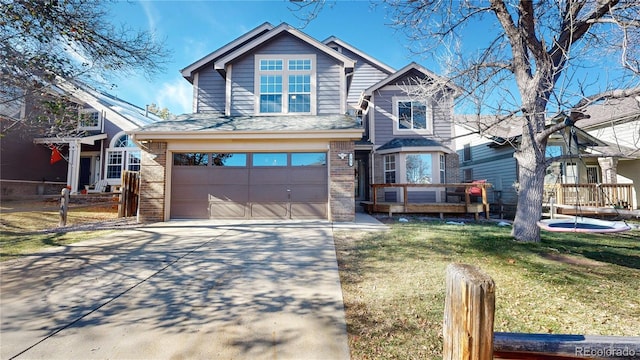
<point x="152" y="182"/>
<point x="452" y="164"/>
<point x="341" y="182"/>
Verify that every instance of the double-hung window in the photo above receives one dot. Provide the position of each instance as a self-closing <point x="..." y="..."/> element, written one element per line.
<point x="411" y="115"/>
<point x="390" y="169"/>
<point x="285" y="84"/>
<point x="123" y="154"/>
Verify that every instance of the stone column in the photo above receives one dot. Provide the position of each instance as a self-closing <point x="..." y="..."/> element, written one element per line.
<point x="341" y="181"/>
<point x="152" y="182"/>
<point x="609" y="168"/>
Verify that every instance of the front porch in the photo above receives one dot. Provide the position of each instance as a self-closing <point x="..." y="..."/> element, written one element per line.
<point x="591" y="199"/>
<point x="454" y="198"/>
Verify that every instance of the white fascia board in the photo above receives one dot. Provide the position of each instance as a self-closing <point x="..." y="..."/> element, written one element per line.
<point x="222" y="62"/>
<point x="360" y="53"/>
<point x="187" y="72"/>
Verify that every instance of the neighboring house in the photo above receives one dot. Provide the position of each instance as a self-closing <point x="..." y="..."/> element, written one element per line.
<point x="286" y="126"/>
<point x="486" y="148"/>
<point x="99" y="152"/>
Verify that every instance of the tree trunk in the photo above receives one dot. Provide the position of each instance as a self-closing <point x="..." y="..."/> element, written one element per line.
<point x="530" y="192"/>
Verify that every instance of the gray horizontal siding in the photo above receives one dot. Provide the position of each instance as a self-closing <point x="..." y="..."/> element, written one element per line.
<point x="328" y="75"/>
<point x="384" y="124"/>
<point x="211" y="91"/>
<point x="497" y="166"/>
<point x="365" y="75"/>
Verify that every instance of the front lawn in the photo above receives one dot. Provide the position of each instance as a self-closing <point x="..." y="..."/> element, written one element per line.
<point x="31" y="226"/>
<point x="393" y="284"/>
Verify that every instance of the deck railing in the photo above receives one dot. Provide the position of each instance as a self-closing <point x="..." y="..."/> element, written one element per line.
<point x="593" y="195"/>
<point x="467" y="198"/>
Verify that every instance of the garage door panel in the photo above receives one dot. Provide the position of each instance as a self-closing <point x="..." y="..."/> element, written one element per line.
<point x="227" y="210"/>
<point x="189" y="175"/>
<point x="190" y="209"/>
<point x="268" y="193"/>
<point x="237" y="193"/>
<point x="305" y="193"/>
<point x="275" y="175"/>
<point x="309" y="210"/>
<point x="311" y="175"/>
<point x="228" y="176"/>
<point x="269" y="210"/>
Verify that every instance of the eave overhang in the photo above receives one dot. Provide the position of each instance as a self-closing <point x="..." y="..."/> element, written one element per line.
<point x="88" y="140"/>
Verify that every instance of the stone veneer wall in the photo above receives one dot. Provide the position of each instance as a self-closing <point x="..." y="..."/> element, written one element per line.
<point x="152" y="182"/>
<point x="341" y="182"/>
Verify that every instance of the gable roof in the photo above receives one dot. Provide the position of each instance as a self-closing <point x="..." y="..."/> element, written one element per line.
<point x="121" y="113"/>
<point x="375" y="62"/>
<point x="221" y="62"/>
<point x="188" y="71"/>
<point x="413" y="66"/>
<point x="611" y="111"/>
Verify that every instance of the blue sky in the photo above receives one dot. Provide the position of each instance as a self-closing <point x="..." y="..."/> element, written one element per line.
<point x="193" y="29"/>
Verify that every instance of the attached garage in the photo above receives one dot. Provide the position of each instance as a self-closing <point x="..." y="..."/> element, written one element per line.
<point x="208" y="185"/>
<point x="209" y="166"/>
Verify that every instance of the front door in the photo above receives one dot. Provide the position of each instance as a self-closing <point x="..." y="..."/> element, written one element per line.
<point x="85" y="173"/>
<point x="361" y="168"/>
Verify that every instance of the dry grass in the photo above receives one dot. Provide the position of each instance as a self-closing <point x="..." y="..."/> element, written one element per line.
<point x="27" y="227"/>
<point x="393" y="284"/>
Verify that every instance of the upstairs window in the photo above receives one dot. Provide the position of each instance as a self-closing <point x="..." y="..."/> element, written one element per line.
<point x="285" y="84"/>
<point x="89" y="119"/>
<point x="414" y="116"/>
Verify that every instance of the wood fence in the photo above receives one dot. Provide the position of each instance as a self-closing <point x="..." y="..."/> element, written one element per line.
<point x="129" y="194"/>
<point x="468" y="328"/>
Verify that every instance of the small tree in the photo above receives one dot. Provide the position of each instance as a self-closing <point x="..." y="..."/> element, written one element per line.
<point x="539" y="59"/>
<point x="73" y="39"/>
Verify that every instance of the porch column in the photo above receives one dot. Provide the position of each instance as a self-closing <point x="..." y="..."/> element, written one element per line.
<point x="73" y="167"/>
<point x="609" y="168"/>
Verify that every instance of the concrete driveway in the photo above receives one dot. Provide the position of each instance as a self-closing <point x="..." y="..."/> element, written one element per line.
<point x="179" y="290"/>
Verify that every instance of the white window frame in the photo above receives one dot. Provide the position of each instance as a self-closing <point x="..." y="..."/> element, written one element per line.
<point x="82" y="112"/>
<point x="126" y="153"/>
<point x="390" y="159"/>
<point x="396" y="117"/>
<point x="285" y="72"/>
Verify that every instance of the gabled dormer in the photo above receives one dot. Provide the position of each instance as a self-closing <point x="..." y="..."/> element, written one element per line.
<point x="271" y="71"/>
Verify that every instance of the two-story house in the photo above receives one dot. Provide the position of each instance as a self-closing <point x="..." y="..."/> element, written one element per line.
<point x="287" y="126"/>
<point x="600" y="168"/>
<point x="96" y="152"/>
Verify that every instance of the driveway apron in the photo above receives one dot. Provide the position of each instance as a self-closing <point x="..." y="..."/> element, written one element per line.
<point x="179" y="290"/>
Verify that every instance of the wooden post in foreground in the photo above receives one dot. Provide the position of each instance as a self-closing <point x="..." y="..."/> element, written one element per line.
<point x="64" y="207"/>
<point x="468" y="314"/>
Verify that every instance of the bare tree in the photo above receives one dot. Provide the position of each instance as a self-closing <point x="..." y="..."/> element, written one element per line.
<point x="539" y="60"/>
<point x="73" y="39"/>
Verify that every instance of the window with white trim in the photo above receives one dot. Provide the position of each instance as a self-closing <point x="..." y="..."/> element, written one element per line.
<point x="285" y="84"/>
<point x="122" y="154"/>
<point x="89" y="119"/>
<point x="413" y="116"/>
<point x="419" y="168"/>
<point x="390" y="169"/>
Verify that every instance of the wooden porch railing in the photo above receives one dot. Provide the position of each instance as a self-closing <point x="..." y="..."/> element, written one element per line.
<point x="594" y="195"/>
